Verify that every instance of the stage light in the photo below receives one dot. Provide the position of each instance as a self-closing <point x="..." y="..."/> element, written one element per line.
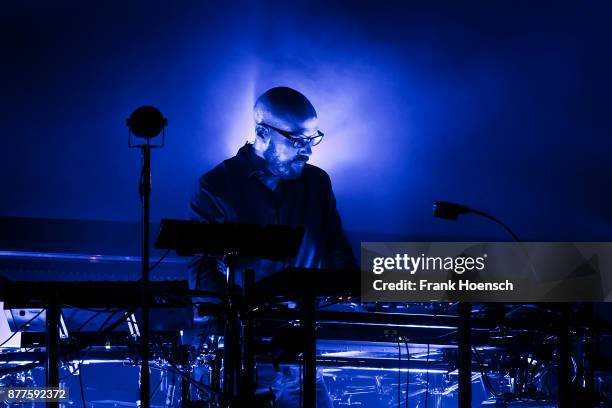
<point x="146" y="122"/>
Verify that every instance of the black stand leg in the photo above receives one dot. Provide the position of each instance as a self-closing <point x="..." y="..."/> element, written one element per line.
<point x="310" y="353"/>
<point x="182" y="355"/>
<point x="185" y="392"/>
<point x="589" y="354"/>
<point x="145" y="192"/>
<point x="248" y="375"/>
<point x="465" y="355"/>
<point x="564" y="349"/>
<point x="231" y="346"/>
<point x="215" y="368"/>
<point x="52" y="347"/>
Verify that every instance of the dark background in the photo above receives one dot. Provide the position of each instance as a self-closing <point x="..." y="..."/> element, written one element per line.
<point x="503" y="106"/>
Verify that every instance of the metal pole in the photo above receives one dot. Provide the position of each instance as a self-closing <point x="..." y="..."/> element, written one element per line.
<point x="589" y="375"/>
<point x="564" y="356"/>
<point x="145" y="191"/>
<point x="310" y="352"/>
<point x="215" y="375"/>
<point x="464" y="352"/>
<point x="52" y="346"/>
<point x="248" y="377"/>
<point x="231" y="346"/>
<point x="185" y="385"/>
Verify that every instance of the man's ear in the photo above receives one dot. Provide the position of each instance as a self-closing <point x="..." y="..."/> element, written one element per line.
<point x="262" y="132"/>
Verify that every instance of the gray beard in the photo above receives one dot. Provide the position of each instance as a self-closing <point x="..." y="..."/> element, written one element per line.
<point x="287" y="170"/>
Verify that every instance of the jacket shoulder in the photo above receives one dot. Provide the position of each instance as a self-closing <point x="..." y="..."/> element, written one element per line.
<point x="317" y="174"/>
<point x="220" y="175"/>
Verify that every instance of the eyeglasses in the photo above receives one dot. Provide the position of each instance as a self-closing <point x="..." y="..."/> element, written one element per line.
<point x="300" y="141"/>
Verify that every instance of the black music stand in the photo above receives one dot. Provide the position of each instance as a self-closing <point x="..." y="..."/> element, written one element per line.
<point x="273" y="242"/>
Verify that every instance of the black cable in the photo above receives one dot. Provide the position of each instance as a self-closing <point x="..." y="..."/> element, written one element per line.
<point x="399" y="374"/>
<point x="98" y="313"/>
<point x="161" y="378"/>
<point x="159" y="260"/>
<point x="21" y="327"/>
<point x="81" y="385"/>
<point x="497" y="221"/>
<point x="427" y="378"/>
<point x="109" y="318"/>
<point x="101" y="328"/>
<point x="484" y="375"/>
<point x="78" y="329"/>
<point x="407" y="369"/>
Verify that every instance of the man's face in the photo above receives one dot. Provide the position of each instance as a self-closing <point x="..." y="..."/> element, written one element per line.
<point x="282" y="158"/>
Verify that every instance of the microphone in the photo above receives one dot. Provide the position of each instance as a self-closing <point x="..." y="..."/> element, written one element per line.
<point x="451" y="211"/>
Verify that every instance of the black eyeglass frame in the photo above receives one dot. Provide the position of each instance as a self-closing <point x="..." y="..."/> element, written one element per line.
<point x="298" y="142"/>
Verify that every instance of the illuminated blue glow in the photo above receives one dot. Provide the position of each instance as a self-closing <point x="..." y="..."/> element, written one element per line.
<point x="83" y="257"/>
<point x="403" y="370"/>
<point x="417" y="326"/>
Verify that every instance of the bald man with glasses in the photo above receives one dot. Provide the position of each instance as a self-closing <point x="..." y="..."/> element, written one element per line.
<point x="270" y="182"/>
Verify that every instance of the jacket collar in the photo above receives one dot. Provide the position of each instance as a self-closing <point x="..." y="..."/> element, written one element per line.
<point x="255" y="166"/>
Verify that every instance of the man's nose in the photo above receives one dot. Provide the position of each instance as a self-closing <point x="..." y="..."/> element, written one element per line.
<point x="306" y="150"/>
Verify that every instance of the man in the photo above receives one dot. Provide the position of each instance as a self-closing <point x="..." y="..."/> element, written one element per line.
<point x="270" y="182"/>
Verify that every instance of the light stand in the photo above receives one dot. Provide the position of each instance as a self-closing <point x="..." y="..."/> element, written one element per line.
<point x="145" y="122"/>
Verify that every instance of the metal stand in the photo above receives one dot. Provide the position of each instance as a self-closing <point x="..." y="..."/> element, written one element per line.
<point x="185" y="392"/>
<point x="247" y="384"/>
<point x="564" y="356"/>
<point x="310" y="352"/>
<point x="589" y="353"/>
<point x="145" y="193"/>
<point x="52" y="346"/>
<point x="215" y="370"/>
<point x="464" y="351"/>
<point x="231" y="342"/>
<point x="185" y="384"/>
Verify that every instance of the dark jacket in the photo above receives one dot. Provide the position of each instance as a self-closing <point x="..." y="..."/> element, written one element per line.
<point x="234" y="192"/>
